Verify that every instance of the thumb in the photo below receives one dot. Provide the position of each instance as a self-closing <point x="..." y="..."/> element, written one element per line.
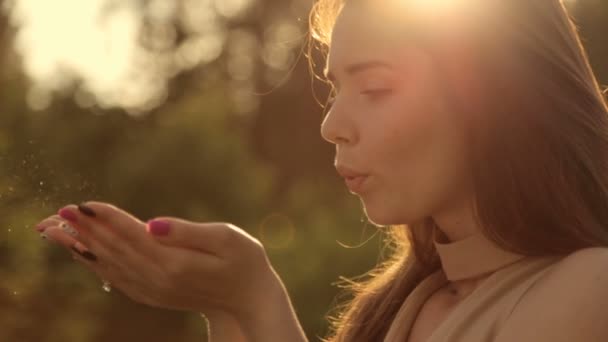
<point x="207" y="237"/>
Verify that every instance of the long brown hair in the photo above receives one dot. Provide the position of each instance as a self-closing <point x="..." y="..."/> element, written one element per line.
<point x="538" y="142"/>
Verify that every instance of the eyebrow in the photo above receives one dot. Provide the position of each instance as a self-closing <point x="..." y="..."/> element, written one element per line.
<point x="357" y="68"/>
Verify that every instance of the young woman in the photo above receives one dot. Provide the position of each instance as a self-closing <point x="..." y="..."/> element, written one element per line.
<point x="475" y="130"/>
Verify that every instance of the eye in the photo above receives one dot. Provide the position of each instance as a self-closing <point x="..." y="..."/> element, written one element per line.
<point x="377" y="94"/>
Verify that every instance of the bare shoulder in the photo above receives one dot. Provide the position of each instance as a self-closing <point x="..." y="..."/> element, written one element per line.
<point x="568" y="303"/>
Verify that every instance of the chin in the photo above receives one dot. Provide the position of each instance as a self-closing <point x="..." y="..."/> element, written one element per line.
<point x="387" y="217"/>
<point x="382" y="218"/>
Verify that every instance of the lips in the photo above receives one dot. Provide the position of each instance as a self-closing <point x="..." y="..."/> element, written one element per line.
<point x="355" y="184"/>
<point x="354" y="179"/>
<point x="347" y="172"/>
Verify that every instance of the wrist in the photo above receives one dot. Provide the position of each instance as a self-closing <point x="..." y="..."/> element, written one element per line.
<point x="274" y="318"/>
<point x="223" y="327"/>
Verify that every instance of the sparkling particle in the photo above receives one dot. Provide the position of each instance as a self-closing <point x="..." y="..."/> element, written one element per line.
<point x="106" y="286"/>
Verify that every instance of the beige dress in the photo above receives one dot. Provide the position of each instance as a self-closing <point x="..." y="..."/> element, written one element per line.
<point x="479" y="317"/>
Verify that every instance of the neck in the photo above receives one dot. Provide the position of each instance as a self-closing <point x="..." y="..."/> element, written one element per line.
<point x="456" y="222"/>
<point x="459" y="289"/>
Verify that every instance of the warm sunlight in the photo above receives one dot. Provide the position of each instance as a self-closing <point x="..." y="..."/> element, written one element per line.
<point x="116" y="53"/>
<point x="429" y="11"/>
<point x="426" y="6"/>
<point x="67" y="39"/>
<point x="170" y="170"/>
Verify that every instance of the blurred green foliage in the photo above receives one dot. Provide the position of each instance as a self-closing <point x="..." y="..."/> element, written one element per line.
<point x="267" y="171"/>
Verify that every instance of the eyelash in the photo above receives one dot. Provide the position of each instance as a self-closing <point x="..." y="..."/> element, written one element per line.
<point x="375" y="94"/>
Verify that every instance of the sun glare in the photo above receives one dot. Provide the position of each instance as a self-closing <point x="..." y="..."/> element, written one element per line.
<point x="424" y="6"/>
<point x="97" y="46"/>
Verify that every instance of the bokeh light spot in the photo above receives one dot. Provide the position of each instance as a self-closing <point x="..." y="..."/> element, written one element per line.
<point x="277" y="231"/>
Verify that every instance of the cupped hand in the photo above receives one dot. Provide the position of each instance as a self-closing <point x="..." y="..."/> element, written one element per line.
<point x="169" y="262"/>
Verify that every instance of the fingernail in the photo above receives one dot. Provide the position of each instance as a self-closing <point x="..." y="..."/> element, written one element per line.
<point x="86" y="210"/>
<point x="40" y="228"/>
<point x="43" y="235"/>
<point x="87" y="255"/>
<point x="68" y="215"/>
<point x="82" y="250"/>
<point x="158" y="227"/>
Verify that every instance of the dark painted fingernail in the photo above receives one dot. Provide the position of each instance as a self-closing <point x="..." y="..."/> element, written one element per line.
<point x="82" y="250"/>
<point x="86" y="254"/>
<point x="86" y="210"/>
<point x="68" y="215"/>
<point x="89" y="256"/>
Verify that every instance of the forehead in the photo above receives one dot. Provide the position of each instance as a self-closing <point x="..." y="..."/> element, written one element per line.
<point x="364" y="30"/>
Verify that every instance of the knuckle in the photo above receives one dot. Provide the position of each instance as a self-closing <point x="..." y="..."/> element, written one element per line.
<point x="257" y="252"/>
<point x="234" y="237"/>
<point x="257" y="244"/>
<point x="227" y="236"/>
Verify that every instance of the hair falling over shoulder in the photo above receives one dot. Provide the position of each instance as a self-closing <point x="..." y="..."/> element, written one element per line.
<point x="538" y="141"/>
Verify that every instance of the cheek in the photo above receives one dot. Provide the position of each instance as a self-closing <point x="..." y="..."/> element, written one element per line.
<point x="422" y="160"/>
<point x="411" y="127"/>
<point x="414" y="113"/>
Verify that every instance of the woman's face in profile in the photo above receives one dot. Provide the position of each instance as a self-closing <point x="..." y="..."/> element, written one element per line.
<point x="389" y="120"/>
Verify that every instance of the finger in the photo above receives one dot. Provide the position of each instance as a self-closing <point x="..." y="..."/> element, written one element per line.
<point x="124" y="235"/>
<point x="63" y="234"/>
<point x="121" y="222"/>
<point x="102" y="270"/>
<point x="100" y="223"/>
<point x="57" y="234"/>
<point x="53" y="220"/>
<point x="94" y="233"/>
<point x="213" y="238"/>
<point x="68" y="229"/>
<point x="129" y="283"/>
<point x="96" y="255"/>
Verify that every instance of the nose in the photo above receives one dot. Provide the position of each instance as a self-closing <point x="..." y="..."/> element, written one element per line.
<point x="337" y="128"/>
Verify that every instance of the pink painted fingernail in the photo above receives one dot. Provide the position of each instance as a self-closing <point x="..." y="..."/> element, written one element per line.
<point x="68" y="215"/>
<point x="158" y="227"/>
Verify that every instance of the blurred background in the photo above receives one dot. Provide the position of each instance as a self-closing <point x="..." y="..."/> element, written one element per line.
<point x="202" y="109"/>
